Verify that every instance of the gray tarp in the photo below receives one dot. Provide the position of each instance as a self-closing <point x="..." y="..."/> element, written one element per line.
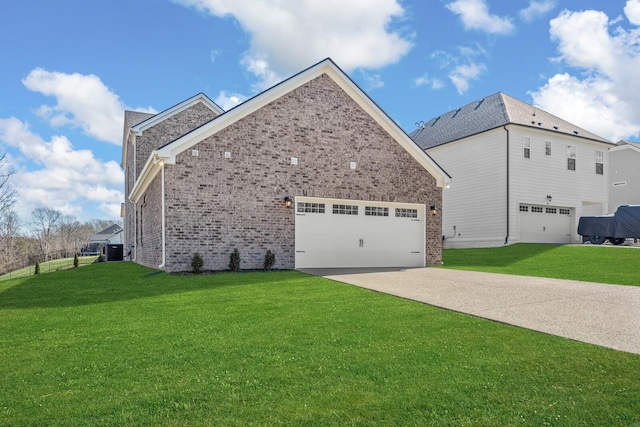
<point x="625" y="223"/>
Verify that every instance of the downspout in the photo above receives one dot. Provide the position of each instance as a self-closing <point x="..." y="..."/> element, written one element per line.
<point x="506" y="239"/>
<point x="162" y="208"/>
<point x="135" y="232"/>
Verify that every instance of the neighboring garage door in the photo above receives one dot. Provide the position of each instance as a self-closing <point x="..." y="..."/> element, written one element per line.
<point x="545" y="224"/>
<point x="348" y="233"/>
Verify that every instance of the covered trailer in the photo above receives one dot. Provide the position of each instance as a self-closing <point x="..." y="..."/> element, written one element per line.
<point x="623" y="224"/>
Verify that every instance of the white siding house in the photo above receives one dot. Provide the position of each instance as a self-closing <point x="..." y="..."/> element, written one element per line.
<point x="519" y="174"/>
<point x="624" y="175"/>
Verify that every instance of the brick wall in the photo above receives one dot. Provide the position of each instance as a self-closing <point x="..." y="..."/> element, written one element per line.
<point x="149" y="225"/>
<point x="168" y="130"/>
<point x="215" y="204"/>
<point x="137" y="156"/>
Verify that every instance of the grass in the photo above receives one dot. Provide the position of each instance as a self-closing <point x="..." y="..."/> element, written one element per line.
<point x="602" y="264"/>
<point x="49" y="267"/>
<point x="119" y="344"/>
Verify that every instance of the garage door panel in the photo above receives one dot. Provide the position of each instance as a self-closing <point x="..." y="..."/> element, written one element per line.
<point x="545" y="224"/>
<point x="331" y="239"/>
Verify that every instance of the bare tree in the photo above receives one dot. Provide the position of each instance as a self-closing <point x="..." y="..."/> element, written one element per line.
<point x="44" y="226"/>
<point x="68" y="228"/>
<point x="7" y="194"/>
<point x="9" y="232"/>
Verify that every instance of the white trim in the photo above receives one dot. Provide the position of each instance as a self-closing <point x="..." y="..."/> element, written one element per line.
<point x="138" y="129"/>
<point x="149" y="172"/>
<point x="625" y="146"/>
<point x="178" y="108"/>
<point x="171" y="150"/>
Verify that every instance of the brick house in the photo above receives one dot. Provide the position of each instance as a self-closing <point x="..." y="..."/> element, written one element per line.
<point x="311" y="169"/>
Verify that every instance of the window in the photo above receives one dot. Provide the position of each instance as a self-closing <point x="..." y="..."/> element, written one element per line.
<point x="524" y="208"/>
<point x="310" y="207"/>
<point x="551" y="210"/>
<point x="345" y="209"/>
<point x="571" y="157"/>
<point x="536" y="209"/>
<point x="406" y="213"/>
<point x="547" y="148"/>
<point x="564" y="211"/>
<point x="526" y="145"/>
<point x="376" y="211"/>
<point x="599" y="163"/>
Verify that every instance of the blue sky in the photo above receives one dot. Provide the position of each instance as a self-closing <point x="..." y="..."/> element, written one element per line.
<point x="70" y="68"/>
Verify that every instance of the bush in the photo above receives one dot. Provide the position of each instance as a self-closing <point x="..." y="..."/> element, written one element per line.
<point x="76" y="260"/>
<point x="234" y="261"/>
<point x="37" y="269"/>
<point x="269" y="260"/>
<point x="101" y="257"/>
<point x="197" y="263"/>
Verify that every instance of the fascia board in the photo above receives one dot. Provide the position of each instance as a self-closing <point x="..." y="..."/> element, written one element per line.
<point x="128" y="138"/>
<point x="152" y="121"/>
<point x="625" y="147"/>
<point x="150" y="170"/>
<point x="170" y="151"/>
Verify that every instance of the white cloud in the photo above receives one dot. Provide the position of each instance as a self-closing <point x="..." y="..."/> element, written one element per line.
<point x="425" y="80"/>
<point x="82" y="101"/>
<point x="227" y="102"/>
<point x="66" y="178"/>
<point x="289" y="35"/>
<point x="374" y="81"/>
<point x="632" y="11"/>
<point x="475" y="16"/>
<point x="604" y="94"/>
<point x="463" y="74"/>
<point x="537" y="9"/>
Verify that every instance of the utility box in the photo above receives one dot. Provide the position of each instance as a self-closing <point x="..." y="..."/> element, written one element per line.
<point x="115" y="252"/>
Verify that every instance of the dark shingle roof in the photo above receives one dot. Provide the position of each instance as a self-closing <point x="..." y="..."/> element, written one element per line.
<point x="490" y="113"/>
<point x="112" y="229"/>
<point x="132" y="118"/>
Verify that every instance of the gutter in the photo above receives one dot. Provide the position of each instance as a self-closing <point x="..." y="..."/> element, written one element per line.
<point x="506" y="239"/>
<point x="161" y="163"/>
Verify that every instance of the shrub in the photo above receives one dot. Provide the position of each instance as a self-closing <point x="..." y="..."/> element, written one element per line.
<point x="197" y="263"/>
<point x="37" y="268"/>
<point x="101" y="257"/>
<point x="269" y="260"/>
<point x="234" y="261"/>
<point x="76" y="260"/>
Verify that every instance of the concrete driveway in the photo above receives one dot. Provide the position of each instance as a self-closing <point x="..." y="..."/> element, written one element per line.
<point x="606" y="315"/>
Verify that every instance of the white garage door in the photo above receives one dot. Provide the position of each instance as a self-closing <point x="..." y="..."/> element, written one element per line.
<point x="347" y="233"/>
<point x="545" y="224"/>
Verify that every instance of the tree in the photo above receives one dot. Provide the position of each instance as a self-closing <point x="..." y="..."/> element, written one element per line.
<point x="68" y="228"/>
<point x="9" y="232"/>
<point x="7" y="194"/>
<point x="44" y="225"/>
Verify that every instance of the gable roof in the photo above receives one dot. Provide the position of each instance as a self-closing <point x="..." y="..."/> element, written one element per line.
<point x="136" y="122"/>
<point x="490" y="113"/>
<point x="626" y="145"/>
<point x="167" y="153"/>
<point x="112" y="229"/>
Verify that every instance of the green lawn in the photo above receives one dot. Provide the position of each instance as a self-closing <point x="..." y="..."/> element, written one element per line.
<point x="603" y="264"/>
<point x="119" y="344"/>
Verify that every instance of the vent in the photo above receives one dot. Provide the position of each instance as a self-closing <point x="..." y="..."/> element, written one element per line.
<point x="195" y="153"/>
